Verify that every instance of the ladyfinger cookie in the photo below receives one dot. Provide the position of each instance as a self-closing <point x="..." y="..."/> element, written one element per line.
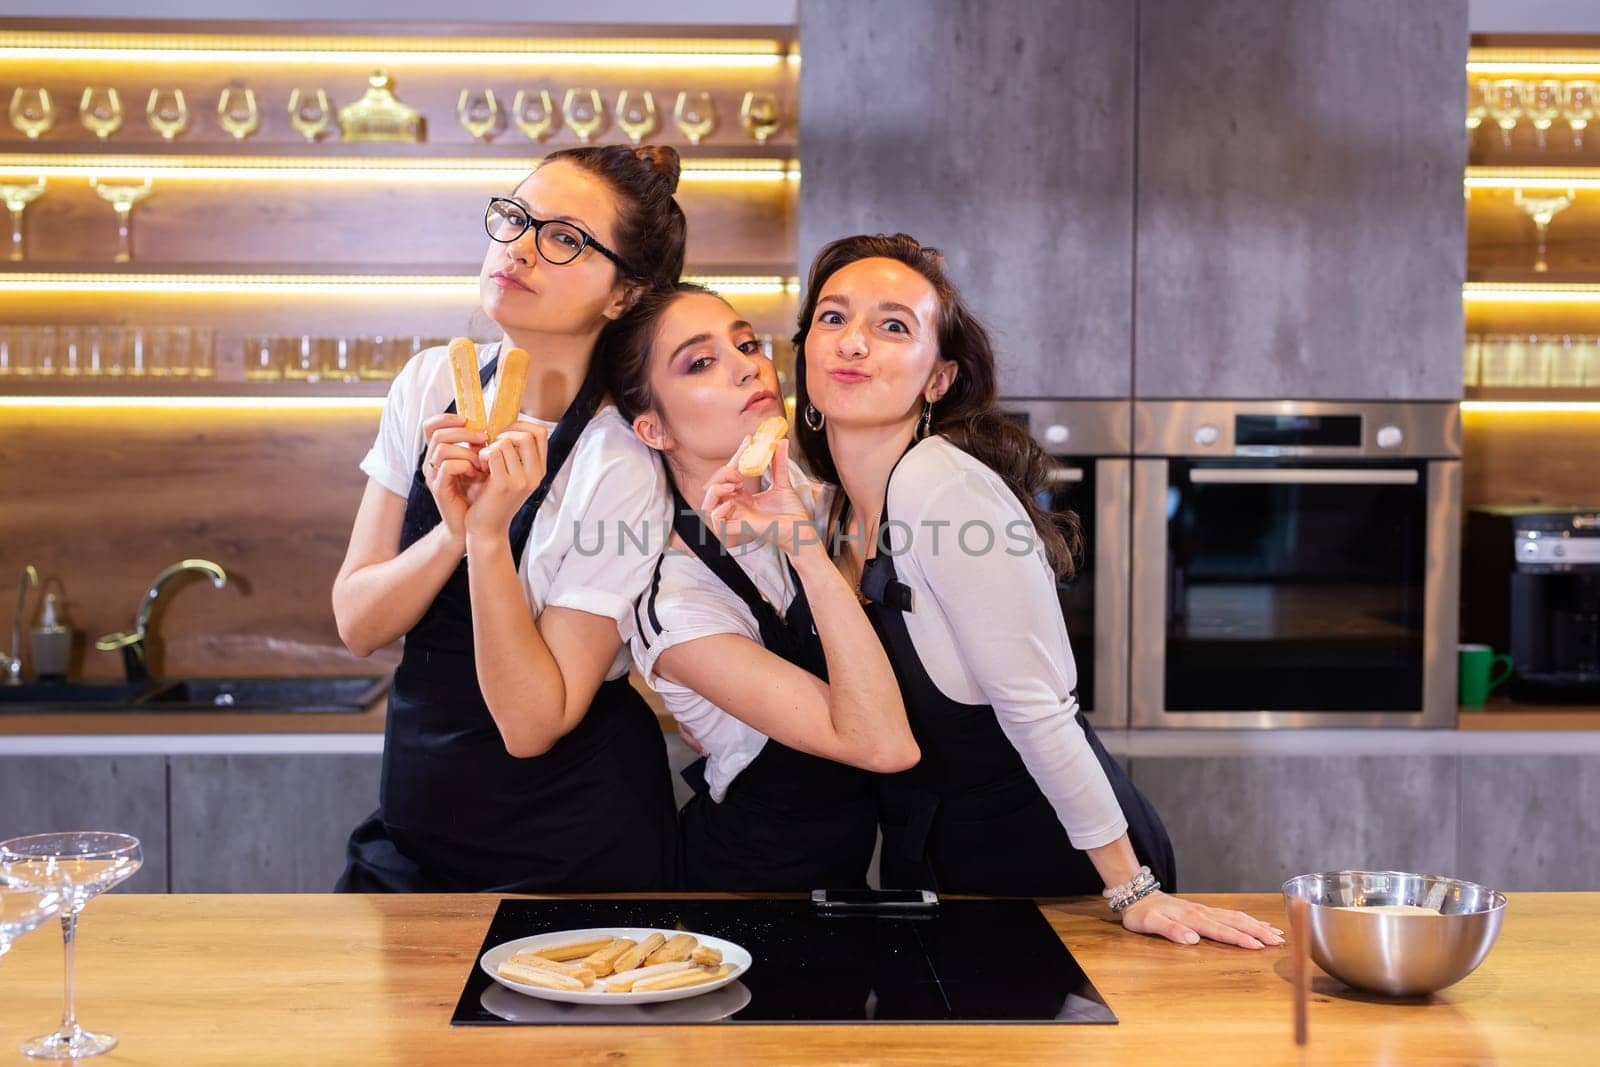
<point x="582" y="974"/>
<point x="706" y="956"/>
<point x="757" y="455"/>
<point x="677" y="948"/>
<point x="464" y="378"/>
<point x="513" y="376"/>
<point x="691" y="977"/>
<point x="623" y="981"/>
<point x="572" y="950"/>
<point x="537" y="976"/>
<point x="635" y="955"/>
<point x="603" y="962"/>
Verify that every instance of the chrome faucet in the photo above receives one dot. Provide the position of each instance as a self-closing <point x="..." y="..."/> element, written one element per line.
<point x="131" y="642"/>
<point x="13" y="662"/>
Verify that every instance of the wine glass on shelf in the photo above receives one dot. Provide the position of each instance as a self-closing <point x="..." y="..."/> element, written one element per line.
<point x="122" y="196"/>
<point x="24" y="909"/>
<point x="18" y="194"/>
<point x="636" y="114"/>
<point x="237" y="112"/>
<point x="78" y="867"/>
<point x="1578" y="105"/>
<point x="534" y="113"/>
<point x="1509" y="96"/>
<point x="695" y="114"/>
<point x="1478" y="103"/>
<point x="32" y="111"/>
<point x="1543" y="108"/>
<point x="760" y="115"/>
<point x="309" y="112"/>
<point x="168" y="112"/>
<point x="585" y="112"/>
<point x="100" y="110"/>
<point x="479" y="113"/>
<point x="1542" y="207"/>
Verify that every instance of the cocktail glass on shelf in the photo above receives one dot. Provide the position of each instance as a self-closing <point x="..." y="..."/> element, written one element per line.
<point x="1542" y="207"/>
<point x="100" y="110"/>
<point x="1543" y="108"/>
<point x="695" y="114"/>
<point x="237" y="112"/>
<point x="760" y="115"/>
<point x="168" y="112"/>
<point x="1510" y="94"/>
<point x="24" y="909"/>
<point x="479" y="113"/>
<point x="1578" y="105"/>
<point x="585" y="112"/>
<point x="1478" y="102"/>
<point x="1471" y="359"/>
<point x="534" y="113"/>
<point x="32" y="111"/>
<point x="122" y="196"/>
<point x="309" y="112"/>
<point x="636" y="114"/>
<point x="18" y="193"/>
<point x="78" y="867"/>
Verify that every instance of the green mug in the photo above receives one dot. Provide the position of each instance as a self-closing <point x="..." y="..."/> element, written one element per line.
<point x="1481" y="671"/>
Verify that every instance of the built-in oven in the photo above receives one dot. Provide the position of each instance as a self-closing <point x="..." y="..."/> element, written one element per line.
<point x="1295" y="564"/>
<point x="1089" y="442"/>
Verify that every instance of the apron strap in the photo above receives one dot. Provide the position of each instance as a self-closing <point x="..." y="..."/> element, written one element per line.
<point x="880" y="583"/>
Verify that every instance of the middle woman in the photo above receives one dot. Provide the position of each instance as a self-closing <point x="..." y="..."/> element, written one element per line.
<point x="760" y="649"/>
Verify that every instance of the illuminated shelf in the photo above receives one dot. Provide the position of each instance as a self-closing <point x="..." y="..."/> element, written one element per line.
<point x="1520" y="287"/>
<point x="82" y="388"/>
<point x="1533" y="177"/>
<point x="48" y="150"/>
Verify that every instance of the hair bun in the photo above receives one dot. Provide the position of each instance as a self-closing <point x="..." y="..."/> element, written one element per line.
<point x="663" y="159"/>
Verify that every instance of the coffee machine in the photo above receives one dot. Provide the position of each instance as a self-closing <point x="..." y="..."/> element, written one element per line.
<point x="1530" y="586"/>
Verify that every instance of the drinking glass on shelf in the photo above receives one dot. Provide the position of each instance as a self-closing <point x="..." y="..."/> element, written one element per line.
<point x="300" y="358"/>
<point x="761" y="117"/>
<point x="1543" y="108"/>
<point x="333" y="360"/>
<point x="69" y="352"/>
<point x="1542" y="207"/>
<point x="1566" y="362"/>
<point x="534" y="113"/>
<point x="237" y="112"/>
<point x="1501" y="360"/>
<point x="32" y="111"/>
<point x="479" y="113"/>
<point x="18" y="193"/>
<point x="260" y="360"/>
<point x="1589" y="359"/>
<point x="180" y="351"/>
<point x="10" y="351"/>
<point x="1471" y="359"/>
<point x="157" y="346"/>
<point x="585" y="112"/>
<point x="168" y="112"/>
<point x="100" y="110"/>
<point x="309" y="112"/>
<point x="1578" y="105"/>
<point x="113" y="351"/>
<point x="23" y="909"/>
<point x="79" y="867"/>
<point x="1478" y="102"/>
<point x="696" y="114"/>
<point x="202" y="352"/>
<point x="636" y="114"/>
<point x="1509" y="96"/>
<point x="1540" y="361"/>
<point x="122" y="196"/>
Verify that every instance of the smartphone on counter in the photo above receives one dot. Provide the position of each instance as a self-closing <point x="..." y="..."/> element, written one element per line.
<point x="874" y="899"/>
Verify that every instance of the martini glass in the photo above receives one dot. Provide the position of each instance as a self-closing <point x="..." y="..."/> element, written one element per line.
<point x="78" y="867"/>
<point x="1542" y="207"/>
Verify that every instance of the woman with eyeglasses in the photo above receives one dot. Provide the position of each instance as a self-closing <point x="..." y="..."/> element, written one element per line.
<point x="937" y="521"/>
<point x="517" y="757"/>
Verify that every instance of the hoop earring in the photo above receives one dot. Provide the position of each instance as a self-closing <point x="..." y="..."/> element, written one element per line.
<point x="927" y="420"/>
<point x="813" y="417"/>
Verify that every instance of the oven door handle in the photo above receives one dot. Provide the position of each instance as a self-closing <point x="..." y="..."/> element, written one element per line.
<point x="1302" y="476"/>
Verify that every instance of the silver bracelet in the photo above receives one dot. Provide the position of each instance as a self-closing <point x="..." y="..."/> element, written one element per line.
<point x="1124" y="903"/>
<point x="1140" y="878"/>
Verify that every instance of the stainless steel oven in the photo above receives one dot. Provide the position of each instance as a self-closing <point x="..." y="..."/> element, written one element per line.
<point x="1090" y="442"/>
<point x="1295" y="564"/>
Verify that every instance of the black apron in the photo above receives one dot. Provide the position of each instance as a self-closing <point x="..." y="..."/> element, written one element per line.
<point x="969" y="818"/>
<point x="456" y="812"/>
<point x="790" y="821"/>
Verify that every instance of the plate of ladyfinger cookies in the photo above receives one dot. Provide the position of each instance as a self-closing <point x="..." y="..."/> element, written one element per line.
<point x="616" y="965"/>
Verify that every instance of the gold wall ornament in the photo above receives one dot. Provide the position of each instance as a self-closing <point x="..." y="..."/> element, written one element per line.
<point x="379" y="116"/>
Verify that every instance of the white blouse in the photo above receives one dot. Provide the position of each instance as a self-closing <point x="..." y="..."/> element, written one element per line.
<point x="600" y="530"/>
<point x="987" y="625"/>
<point x="686" y="601"/>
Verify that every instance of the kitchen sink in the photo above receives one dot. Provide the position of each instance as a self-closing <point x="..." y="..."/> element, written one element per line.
<point x="346" y="694"/>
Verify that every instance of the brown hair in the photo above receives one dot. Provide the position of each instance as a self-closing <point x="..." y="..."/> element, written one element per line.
<point x="651" y="230"/>
<point x="622" y="351"/>
<point x="966" y="415"/>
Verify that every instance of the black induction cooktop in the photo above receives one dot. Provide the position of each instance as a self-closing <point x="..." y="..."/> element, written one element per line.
<point x="966" y="961"/>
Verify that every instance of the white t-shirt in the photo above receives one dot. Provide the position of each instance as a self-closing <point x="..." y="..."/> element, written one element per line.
<point x="599" y="531"/>
<point x="685" y="602"/>
<point x="979" y="647"/>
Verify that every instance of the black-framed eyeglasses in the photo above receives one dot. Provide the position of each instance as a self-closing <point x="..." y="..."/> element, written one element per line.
<point x="558" y="242"/>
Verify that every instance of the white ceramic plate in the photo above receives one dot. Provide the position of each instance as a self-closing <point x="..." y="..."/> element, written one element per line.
<point x="733" y="955"/>
<point x="711" y="1008"/>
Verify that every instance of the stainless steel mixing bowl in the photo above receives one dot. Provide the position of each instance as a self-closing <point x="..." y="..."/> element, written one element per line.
<point x="1397" y="954"/>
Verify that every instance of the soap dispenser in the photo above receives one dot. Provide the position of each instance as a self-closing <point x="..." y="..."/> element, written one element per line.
<point x="52" y="643"/>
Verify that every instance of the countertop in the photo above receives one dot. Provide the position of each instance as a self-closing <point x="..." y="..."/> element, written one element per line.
<point x="372" y="980"/>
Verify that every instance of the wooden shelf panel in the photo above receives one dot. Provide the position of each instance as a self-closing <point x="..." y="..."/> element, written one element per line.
<point x="147" y="386"/>
<point x="1534" y="394"/>
<point x="510" y="146"/>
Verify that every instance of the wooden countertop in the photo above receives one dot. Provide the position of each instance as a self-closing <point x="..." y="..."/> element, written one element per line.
<point x="373" y="980"/>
